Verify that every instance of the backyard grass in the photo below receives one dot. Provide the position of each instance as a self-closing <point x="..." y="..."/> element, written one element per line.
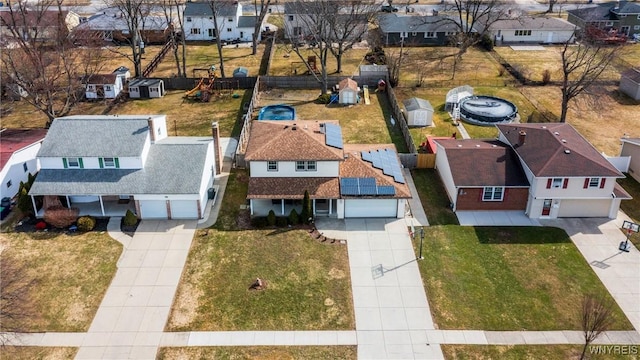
<point x="202" y="55"/>
<point x="361" y="124"/>
<point x="286" y="62"/>
<point x="23" y="115"/>
<point x="307" y="282"/>
<point x="519" y="352"/>
<point x="433" y="197"/>
<point x="71" y="273"/>
<point x="632" y="207"/>
<point x="508" y="278"/>
<point x="38" y="353"/>
<point x="260" y="352"/>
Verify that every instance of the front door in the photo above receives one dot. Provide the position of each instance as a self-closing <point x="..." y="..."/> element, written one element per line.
<point x="546" y="207"/>
<point x="144" y="92"/>
<point x="550" y="37"/>
<point x="625" y="30"/>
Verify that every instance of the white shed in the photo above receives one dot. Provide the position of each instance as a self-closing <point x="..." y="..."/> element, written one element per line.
<point x="630" y="83"/>
<point x="348" y="91"/>
<point x="419" y="112"/>
<point x="104" y="86"/>
<point x="146" y="88"/>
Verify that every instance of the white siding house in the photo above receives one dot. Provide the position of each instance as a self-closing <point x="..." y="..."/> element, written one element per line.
<point x="535" y="30"/>
<point x="18" y="149"/>
<point x="199" y="23"/>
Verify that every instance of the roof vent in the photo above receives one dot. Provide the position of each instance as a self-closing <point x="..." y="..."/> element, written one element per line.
<point x="556" y="133"/>
<point x="459" y="145"/>
<point x="294" y="127"/>
<point x="494" y="145"/>
<point x="567" y="151"/>
<point x="286" y="127"/>
<point x="544" y="127"/>
<point x="564" y="140"/>
<point x="477" y="145"/>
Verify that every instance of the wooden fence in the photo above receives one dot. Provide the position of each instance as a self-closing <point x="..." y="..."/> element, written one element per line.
<point x="246" y="124"/>
<point x="310" y="82"/>
<point x="397" y="114"/>
<point x="176" y="83"/>
<point x="418" y="161"/>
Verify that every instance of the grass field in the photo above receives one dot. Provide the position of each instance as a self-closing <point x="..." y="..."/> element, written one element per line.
<point x="260" y="352"/>
<point x="507" y="278"/>
<point x="286" y="62"/>
<point x="519" y="352"/>
<point x="307" y="282"/>
<point x="72" y="273"/>
<point x="433" y="197"/>
<point x="632" y="207"/>
<point x="39" y="353"/>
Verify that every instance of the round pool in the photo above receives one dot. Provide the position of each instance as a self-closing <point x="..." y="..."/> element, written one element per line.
<point x="277" y="112"/>
<point x="487" y="110"/>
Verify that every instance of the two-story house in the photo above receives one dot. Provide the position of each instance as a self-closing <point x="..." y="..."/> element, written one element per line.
<point x="287" y="158"/>
<point x="624" y="16"/>
<point x="344" y="21"/>
<point x="18" y="149"/>
<point x="199" y="23"/>
<point x="106" y="165"/>
<point x="545" y="170"/>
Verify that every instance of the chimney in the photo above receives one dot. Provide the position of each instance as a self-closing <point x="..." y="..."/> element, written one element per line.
<point x="217" y="154"/>
<point x="522" y="137"/>
<point x="152" y="131"/>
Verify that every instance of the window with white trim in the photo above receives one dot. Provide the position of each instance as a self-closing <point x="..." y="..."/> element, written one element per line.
<point x="188" y="18"/>
<point x="25" y="167"/>
<point x="8" y="184"/>
<point x="272" y="166"/>
<point x="109" y="162"/>
<point x="429" y="34"/>
<point x="557" y="182"/>
<point x="229" y="30"/>
<point x="636" y="27"/>
<point x="195" y="31"/>
<point x="493" y="193"/>
<point x="107" y="88"/>
<point x="306" y="166"/>
<point x="414" y="33"/>
<point x="73" y="162"/>
<point x="523" y="33"/>
<point x="609" y="23"/>
<point x="290" y="17"/>
<point x="594" y="182"/>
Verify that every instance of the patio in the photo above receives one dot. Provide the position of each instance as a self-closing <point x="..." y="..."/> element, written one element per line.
<point x="283" y="207"/>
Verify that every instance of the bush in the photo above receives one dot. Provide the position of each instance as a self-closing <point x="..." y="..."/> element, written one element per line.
<point x="486" y="42"/>
<point x="271" y="218"/>
<point x="294" y="219"/>
<point x="546" y="76"/>
<point x="259" y="222"/>
<point x="86" y="223"/>
<point x="281" y="221"/>
<point x="324" y="99"/>
<point x="307" y="211"/>
<point x="24" y="201"/>
<point x="60" y="216"/>
<point x="130" y="219"/>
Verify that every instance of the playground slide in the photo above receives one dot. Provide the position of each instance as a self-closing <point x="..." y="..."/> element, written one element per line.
<point x="193" y="91"/>
<point x="367" y="101"/>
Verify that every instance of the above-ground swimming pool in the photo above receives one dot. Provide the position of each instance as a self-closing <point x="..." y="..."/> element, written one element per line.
<point x="277" y="112"/>
<point x="487" y="110"/>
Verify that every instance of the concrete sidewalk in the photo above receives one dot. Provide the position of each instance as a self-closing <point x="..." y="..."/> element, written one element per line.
<point x="418" y="216"/>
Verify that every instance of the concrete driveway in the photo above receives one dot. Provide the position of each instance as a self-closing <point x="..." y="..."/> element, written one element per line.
<point x="495" y="218"/>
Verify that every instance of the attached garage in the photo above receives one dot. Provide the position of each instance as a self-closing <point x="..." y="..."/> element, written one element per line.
<point x="153" y="209"/>
<point x="360" y="208"/>
<point x="584" y="208"/>
<point x="184" y="209"/>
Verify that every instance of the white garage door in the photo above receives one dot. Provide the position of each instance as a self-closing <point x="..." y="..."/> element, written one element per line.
<point x="184" y="209"/>
<point x="370" y="208"/>
<point x="584" y="208"/>
<point x="153" y="209"/>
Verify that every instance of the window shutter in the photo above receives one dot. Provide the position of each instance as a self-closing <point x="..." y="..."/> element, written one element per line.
<point x="602" y="181"/>
<point x="117" y="162"/>
<point x="80" y="162"/>
<point x="565" y="183"/>
<point x="586" y="183"/>
<point x="100" y="163"/>
<point x="64" y="163"/>
<point x="549" y="183"/>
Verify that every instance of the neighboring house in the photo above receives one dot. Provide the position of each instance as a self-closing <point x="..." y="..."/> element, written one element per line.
<point x="18" y="149"/>
<point x="106" y="165"/>
<point x="41" y="25"/>
<point x="419" y="112"/>
<point x="533" y="30"/>
<point x="199" y="23"/>
<point x="564" y="175"/>
<point x="344" y="181"/>
<point x="348" y="92"/>
<point x="146" y="88"/>
<point x="631" y="148"/>
<point x="416" y="30"/>
<point x="114" y="27"/>
<point x="623" y="16"/>
<point x="302" y="20"/>
<point x="630" y="83"/>
<point x="104" y="86"/>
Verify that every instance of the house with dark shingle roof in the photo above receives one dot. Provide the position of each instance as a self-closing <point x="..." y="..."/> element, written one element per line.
<point x="624" y="16"/>
<point x="545" y="170"/>
<point x="199" y="23"/>
<point x="106" y="165"/>
<point x="417" y="30"/>
<point x="343" y="180"/>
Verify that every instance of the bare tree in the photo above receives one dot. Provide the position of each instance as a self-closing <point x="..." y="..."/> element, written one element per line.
<point x="220" y="10"/>
<point x="260" y="12"/>
<point x="348" y="25"/>
<point x="596" y="318"/>
<point x="41" y="60"/>
<point x="582" y="66"/>
<point x="175" y="17"/>
<point x="16" y="305"/>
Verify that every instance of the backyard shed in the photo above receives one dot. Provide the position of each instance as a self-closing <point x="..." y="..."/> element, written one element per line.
<point x="146" y="88"/>
<point x="123" y="70"/>
<point x="241" y="72"/>
<point x="419" y="112"/>
<point x="376" y="71"/>
<point x="630" y="83"/>
<point x="348" y="91"/>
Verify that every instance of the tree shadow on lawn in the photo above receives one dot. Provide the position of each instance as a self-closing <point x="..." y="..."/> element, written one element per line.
<point x="521" y="235"/>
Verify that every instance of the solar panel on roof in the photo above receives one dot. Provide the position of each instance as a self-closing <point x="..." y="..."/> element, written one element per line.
<point x="368" y="181"/>
<point x="366" y="156"/>
<point x="386" y="190"/>
<point x="333" y="136"/>
<point x="367" y="186"/>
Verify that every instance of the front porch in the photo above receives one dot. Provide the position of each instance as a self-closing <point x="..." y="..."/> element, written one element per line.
<point x="283" y="207"/>
<point x="102" y="206"/>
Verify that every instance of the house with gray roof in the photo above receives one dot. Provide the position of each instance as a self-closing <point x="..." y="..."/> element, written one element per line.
<point x="114" y="27"/>
<point x="106" y="165"/>
<point x="530" y="30"/>
<point x="623" y="16"/>
<point x="232" y="25"/>
<point x="413" y="30"/>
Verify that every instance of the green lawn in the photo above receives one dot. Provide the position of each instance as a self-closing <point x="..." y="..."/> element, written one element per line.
<point x="507" y="278"/>
<point x="519" y="352"/>
<point x="433" y="197"/>
<point x="307" y="282"/>
<point x="261" y="352"/>
<point x="632" y="207"/>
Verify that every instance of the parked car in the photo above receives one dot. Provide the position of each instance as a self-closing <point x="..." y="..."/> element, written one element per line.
<point x="388" y="8"/>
